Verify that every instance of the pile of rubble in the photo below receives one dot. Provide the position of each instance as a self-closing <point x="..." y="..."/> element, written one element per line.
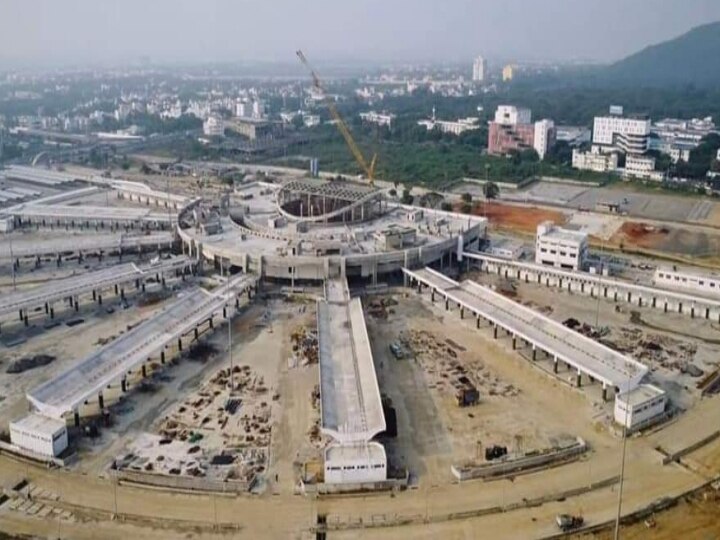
<point x="227" y="412"/>
<point x="655" y="349"/>
<point x="304" y="346"/>
<point x="381" y="307"/>
<point x="450" y="369"/>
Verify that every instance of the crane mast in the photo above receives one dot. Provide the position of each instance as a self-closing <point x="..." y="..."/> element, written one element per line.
<point x="369" y="169"/>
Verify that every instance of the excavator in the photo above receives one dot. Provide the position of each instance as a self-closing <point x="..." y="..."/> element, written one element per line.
<point x="369" y="169"/>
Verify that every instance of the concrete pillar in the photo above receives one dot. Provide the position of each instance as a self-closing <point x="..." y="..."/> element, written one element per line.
<point x="654" y="301"/>
<point x="514" y="342"/>
<point x="76" y="418"/>
<point x="555" y="365"/>
<point x="21" y="314"/>
<point x="477" y="321"/>
<point x="462" y="312"/>
<point x="180" y="345"/>
<point x="604" y="392"/>
<point x="123" y="385"/>
<point x="47" y="308"/>
<point x="692" y="312"/>
<point x="99" y="299"/>
<point x="534" y="353"/>
<point x="447" y="304"/>
<point x="101" y="401"/>
<point x="52" y="312"/>
<point x="495" y="331"/>
<point x="665" y="306"/>
<point x="122" y="293"/>
<point x="142" y="286"/>
<point x="578" y="379"/>
<point x="432" y="295"/>
<point x="94" y="294"/>
<point x="25" y="320"/>
<point x="143" y="370"/>
<point x="76" y="304"/>
<point x="197" y="333"/>
<point x="162" y="357"/>
<point x="211" y="323"/>
<point x="116" y="289"/>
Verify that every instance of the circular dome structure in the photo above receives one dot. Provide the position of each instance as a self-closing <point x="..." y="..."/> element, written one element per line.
<point x="328" y="201"/>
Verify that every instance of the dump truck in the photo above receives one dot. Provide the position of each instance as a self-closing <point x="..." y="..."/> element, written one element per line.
<point x="568" y="522"/>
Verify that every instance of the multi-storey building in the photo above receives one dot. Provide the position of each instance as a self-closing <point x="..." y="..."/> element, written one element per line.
<point x="479" y="69"/>
<point x="381" y="119"/>
<point x="629" y="134"/>
<point x="594" y="160"/>
<point x="544" y="137"/>
<point x="562" y="248"/>
<point x="513" y="131"/>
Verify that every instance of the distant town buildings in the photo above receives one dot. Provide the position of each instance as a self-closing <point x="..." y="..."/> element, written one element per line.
<point x="616" y="133"/>
<point x="381" y="119"/>
<point x="508" y="73"/>
<point x="678" y="138"/>
<point x="446" y="126"/>
<point x="214" y="127"/>
<point x="479" y="69"/>
<point x="513" y="131"/>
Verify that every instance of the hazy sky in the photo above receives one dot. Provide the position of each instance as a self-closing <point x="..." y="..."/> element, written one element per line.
<point x="78" y="31"/>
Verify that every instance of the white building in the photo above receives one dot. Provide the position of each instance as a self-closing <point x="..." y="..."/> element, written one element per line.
<point x="573" y="135"/>
<point x="243" y="109"/>
<point x="258" y="109"/>
<point x="381" y="119"/>
<point x="479" y="69"/>
<point x="355" y="463"/>
<point x="594" y="160"/>
<point x="628" y="134"/>
<point x="40" y="435"/>
<point x="311" y="120"/>
<point x="507" y="249"/>
<point x="447" y="126"/>
<point x="562" y="248"/>
<point x="643" y="167"/>
<point x="214" y="127"/>
<point x="677" y="279"/>
<point x="640" y="407"/>
<point x="544" y="137"/>
<point x="510" y="115"/>
<point x="678" y="138"/>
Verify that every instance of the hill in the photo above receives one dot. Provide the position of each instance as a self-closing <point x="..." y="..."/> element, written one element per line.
<point x="693" y="58"/>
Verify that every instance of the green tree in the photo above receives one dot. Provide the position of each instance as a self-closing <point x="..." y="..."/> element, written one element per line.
<point x="491" y="190"/>
<point x="407" y="197"/>
<point x="466" y="198"/>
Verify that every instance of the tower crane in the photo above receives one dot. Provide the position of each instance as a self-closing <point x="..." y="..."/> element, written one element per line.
<point x="369" y="169"/>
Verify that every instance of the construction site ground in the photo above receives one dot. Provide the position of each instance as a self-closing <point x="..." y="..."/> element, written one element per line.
<point x="518" y="408"/>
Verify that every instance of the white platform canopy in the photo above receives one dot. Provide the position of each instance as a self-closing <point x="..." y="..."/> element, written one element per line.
<point x="584" y="354"/>
<point x="68" y="391"/>
<point x="351" y="408"/>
